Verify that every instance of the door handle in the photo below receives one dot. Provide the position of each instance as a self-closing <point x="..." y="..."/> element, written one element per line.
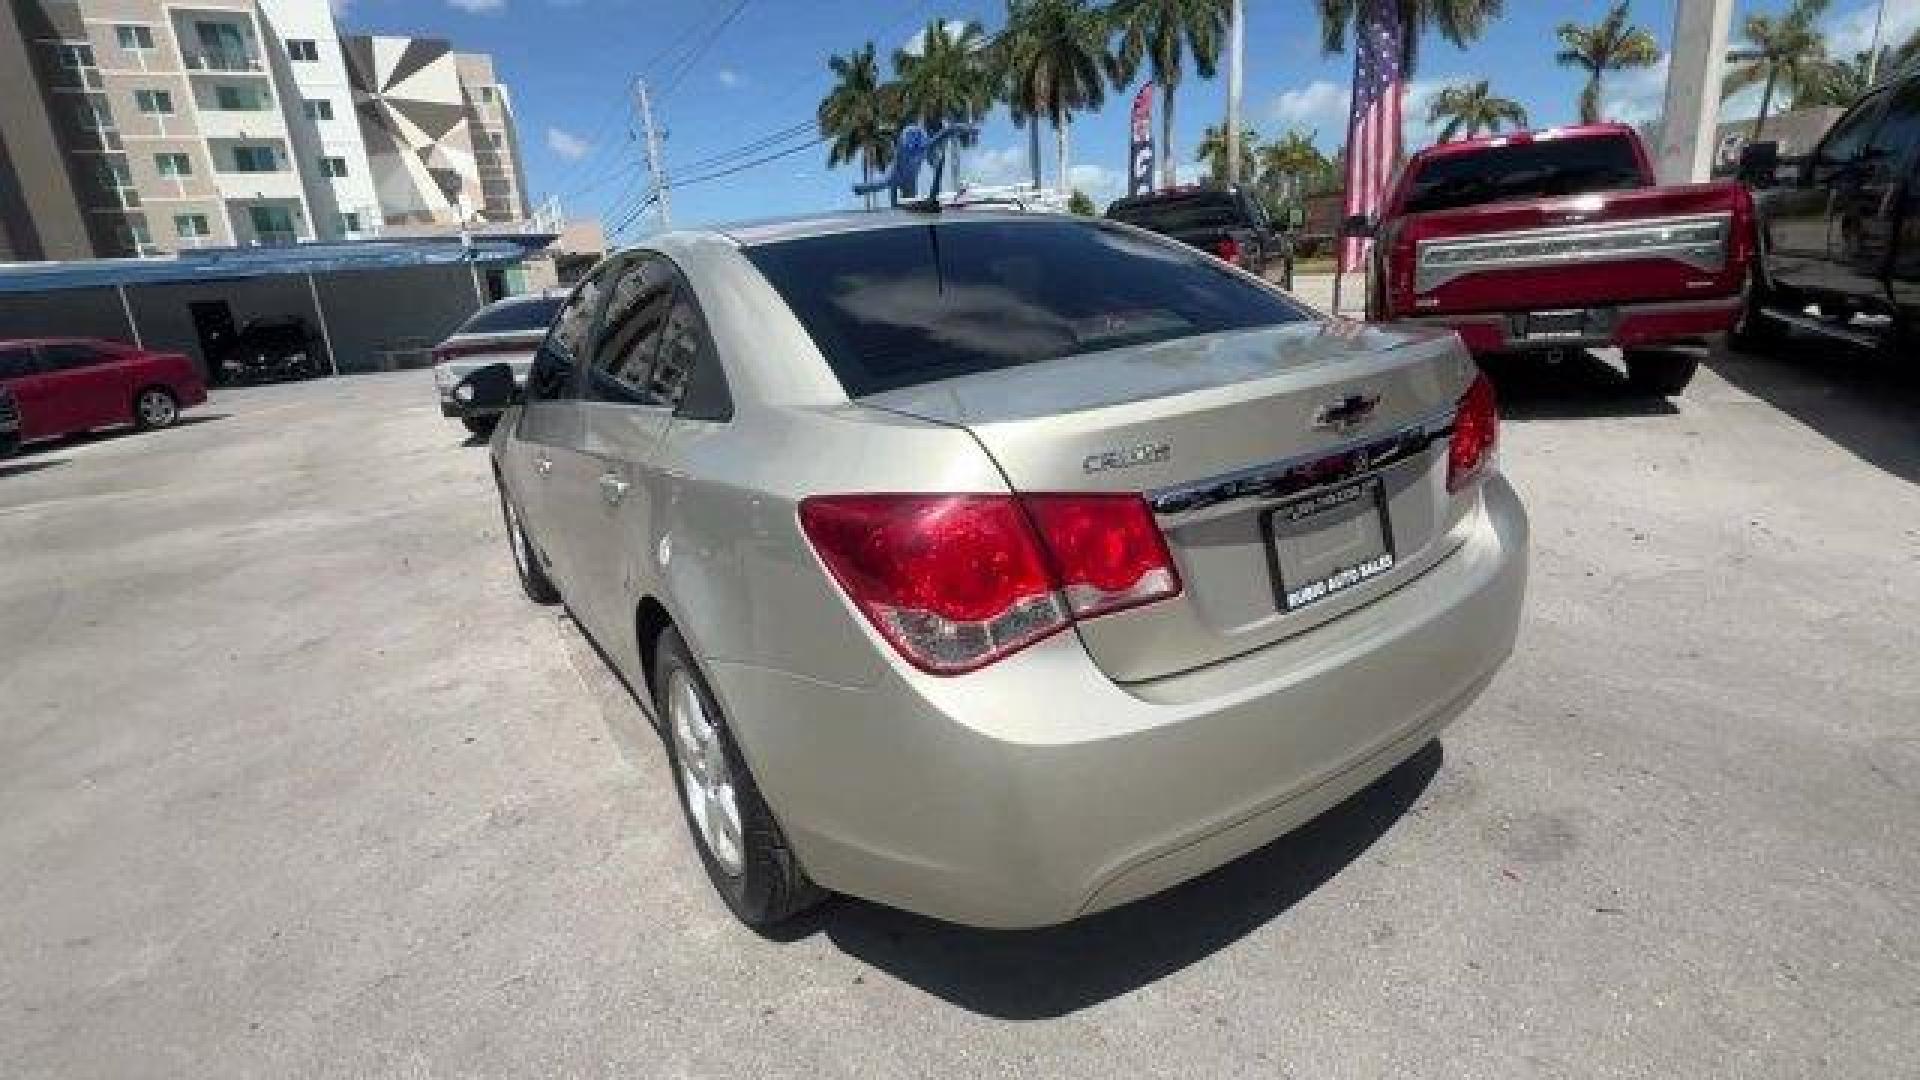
<point x="543" y="466"/>
<point x="613" y="487"/>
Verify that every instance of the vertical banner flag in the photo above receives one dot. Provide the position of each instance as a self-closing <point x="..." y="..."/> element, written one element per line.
<point x="1140" y="153"/>
<point x="1373" y="131"/>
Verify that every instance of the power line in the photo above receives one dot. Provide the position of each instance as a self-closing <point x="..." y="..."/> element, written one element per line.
<point x="673" y="80"/>
<point x="754" y="164"/>
<point x="754" y="146"/>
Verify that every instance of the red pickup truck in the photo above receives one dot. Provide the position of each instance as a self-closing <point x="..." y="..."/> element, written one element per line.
<point x="1560" y="239"/>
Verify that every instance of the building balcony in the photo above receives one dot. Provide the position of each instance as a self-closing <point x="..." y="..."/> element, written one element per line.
<point x="244" y="125"/>
<point x="228" y="62"/>
<point x="282" y="184"/>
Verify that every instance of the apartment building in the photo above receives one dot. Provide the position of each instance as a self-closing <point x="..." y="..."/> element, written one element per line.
<point x="179" y="124"/>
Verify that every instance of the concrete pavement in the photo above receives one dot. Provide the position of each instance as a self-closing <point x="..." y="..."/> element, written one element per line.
<point x="294" y="782"/>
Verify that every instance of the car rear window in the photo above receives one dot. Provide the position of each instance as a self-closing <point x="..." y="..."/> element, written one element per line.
<point x="914" y="304"/>
<point x="1545" y="168"/>
<point x="511" y="315"/>
<point x="1181" y="213"/>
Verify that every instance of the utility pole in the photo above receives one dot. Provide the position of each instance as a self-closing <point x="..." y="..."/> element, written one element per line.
<point x="1236" y="41"/>
<point x="655" y="166"/>
<point x="1873" y="51"/>
<point x="1691" y="119"/>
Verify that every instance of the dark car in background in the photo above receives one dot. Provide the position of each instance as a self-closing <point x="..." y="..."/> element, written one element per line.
<point x="1229" y="223"/>
<point x="270" y="349"/>
<point x="1839" y="230"/>
<point x="9" y="423"/>
<point x="506" y="331"/>
<point x="69" y="385"/>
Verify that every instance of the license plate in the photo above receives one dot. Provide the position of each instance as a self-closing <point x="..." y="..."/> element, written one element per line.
<point x="1328" y="543"/>
<point x="1557" y="324"/>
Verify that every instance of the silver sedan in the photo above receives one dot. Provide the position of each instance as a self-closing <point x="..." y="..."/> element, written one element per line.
<point x="1004" y="567"/>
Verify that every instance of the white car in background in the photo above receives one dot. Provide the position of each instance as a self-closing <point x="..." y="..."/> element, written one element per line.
<point x="507" y="332"/>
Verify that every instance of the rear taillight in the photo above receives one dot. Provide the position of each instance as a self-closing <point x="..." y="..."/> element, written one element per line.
<point x="1476" y="433"/>
<point x="1227" y="248"/>
<point x="955" y="582"/>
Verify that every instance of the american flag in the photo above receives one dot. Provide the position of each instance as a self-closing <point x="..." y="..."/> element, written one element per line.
<point x="1373" y="131"/>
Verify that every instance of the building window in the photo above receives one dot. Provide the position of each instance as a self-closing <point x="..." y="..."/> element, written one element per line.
<point x="153" y="101"/>
<point x="75" y="55"/>
<point x="239" y="99"/>
<point x="496" y="140"/>
<point x="137" y="228"/>
<point x="173" y="164"/>
<point x="303" y="49"/>
<point x="134" y="38"/>
<point x="319" y="109"/>
<point x="93" y="113"/>
<point x="333" y="166"/>
<point x="254" y="159"/>
<point x="191" y="226"/>
<point x="486" y="94"/>
<point x="112" y="172"/>
<point x="349" y="223"/>
<point x="272" y="225"/>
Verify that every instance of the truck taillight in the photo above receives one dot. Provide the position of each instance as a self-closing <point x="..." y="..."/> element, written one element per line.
<point x="956" y="582"/>
<point x="1476" y="434"/>
<point x="1227" y="248"/>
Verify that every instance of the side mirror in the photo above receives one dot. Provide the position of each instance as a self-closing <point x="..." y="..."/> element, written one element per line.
<point x="1358" y="225"/>
<point x="491" y="388"/>
<point x="1759" y="164"/>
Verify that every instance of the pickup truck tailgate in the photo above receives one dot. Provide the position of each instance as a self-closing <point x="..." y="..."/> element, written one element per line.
<point x="1656" y="244"/>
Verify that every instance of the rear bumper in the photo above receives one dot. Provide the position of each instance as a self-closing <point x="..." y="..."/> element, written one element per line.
<point x="1629" y="326"/>
<point x="1038" y="790"/>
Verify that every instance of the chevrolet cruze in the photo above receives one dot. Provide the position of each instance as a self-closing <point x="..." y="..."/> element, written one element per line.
<point x="1004" y="567"/>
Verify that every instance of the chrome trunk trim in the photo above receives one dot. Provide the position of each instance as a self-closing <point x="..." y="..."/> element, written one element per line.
<point x="1681" y="239"/>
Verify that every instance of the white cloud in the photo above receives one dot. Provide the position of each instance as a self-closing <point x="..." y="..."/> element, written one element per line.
<point x="1415" y="132"/>
<point x="729" y="78"/>
<point x="1636" y="97"/>
<point x="984" y="166"/>
<point x="1101" y="184"/>
<point x="566" y="145"/>
<point x="473" y="6"/>
<point x="1321" y="105"/>
<point x="918" y="41"/>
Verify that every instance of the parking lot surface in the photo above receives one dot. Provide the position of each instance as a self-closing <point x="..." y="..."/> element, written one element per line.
<point x="294" y="782"/>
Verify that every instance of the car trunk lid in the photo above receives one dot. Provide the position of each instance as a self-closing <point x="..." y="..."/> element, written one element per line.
<point x="1219" y="432"/>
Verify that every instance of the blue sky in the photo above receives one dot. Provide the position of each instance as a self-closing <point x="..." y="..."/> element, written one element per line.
<point x="569" y="64"/>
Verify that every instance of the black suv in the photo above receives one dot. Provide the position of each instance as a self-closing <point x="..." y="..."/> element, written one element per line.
<point x="1229" y="223"/>
<point x="1840" y="228"/>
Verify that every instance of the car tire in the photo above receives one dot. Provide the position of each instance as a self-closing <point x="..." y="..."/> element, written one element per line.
<point x="526" y="561"/>
<point x="1653" y="371"/>
<point x="155" y="407"/>
<point x="481" y="425"/>
<point x="745" y="853"/>
<point x="1755" y="332"/>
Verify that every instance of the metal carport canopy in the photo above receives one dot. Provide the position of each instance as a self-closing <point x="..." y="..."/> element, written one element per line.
<point x="227" y="264"/>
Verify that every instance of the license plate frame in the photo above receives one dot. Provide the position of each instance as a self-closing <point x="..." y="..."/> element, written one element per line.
<point x="1568" y="324"/>
<point x="1349" y="506"/>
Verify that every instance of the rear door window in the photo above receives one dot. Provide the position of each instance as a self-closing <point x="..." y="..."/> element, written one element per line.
<point x="554" y="365"/>
<point x="629" y="342"/>
<point x="68" y="355"/>
<point x="1899" y="133"/>
<point x="16" y="362"/>
<point x="912" y="304"/>
<point x="1542" y="169"/>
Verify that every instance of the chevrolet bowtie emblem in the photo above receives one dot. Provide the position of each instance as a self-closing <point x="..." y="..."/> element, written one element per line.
<point x="1346" y="414"/>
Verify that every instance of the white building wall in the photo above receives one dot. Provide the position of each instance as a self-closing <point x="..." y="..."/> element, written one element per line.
<point x="323" y="79"/>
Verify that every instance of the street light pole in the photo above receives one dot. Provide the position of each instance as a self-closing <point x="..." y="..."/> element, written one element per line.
<point x="1691" y="118"/>
<point x="1236" y="42"/>
<point x="1873" y="52"/>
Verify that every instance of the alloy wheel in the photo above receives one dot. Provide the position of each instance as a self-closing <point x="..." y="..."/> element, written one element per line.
<point x="706" y="781"/>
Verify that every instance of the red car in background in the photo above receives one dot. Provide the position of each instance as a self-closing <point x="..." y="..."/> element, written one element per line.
<point x="1558" y="239"/>
<point x="68" y="385"/>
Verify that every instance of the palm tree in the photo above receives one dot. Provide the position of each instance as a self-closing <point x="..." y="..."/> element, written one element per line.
<point x="1612" y="44"/>
<point x="950" y="80"/>
<point x="1459" y="21"/>
<point x="1471" y="108"/>
<point x="1162" y="34"/>
<point x="1213" y="151"/>
<point x="856" y="115"/>
<point x="1839" y="82"/>
<point x="1053" y="57"/>
<point x="1790" y="47"/>
<point x="1902" y="56"/>
<point x="1285" y="163"/>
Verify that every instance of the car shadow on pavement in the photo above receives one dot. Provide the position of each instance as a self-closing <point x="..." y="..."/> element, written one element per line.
<point x="1579" y="386"/>
<point x="113" y="434"/>
<point x="1039" y="974"/>
<point x="1866" y="404"/>
<point x="22" y="467"/>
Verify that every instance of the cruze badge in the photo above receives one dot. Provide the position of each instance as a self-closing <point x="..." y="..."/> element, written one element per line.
<point x="1144" y="454"/>
<point x="1346" y="414"/>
